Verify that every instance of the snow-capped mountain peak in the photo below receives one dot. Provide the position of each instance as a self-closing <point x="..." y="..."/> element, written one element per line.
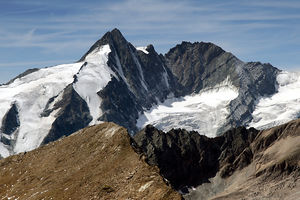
<point x="196" y="86"/>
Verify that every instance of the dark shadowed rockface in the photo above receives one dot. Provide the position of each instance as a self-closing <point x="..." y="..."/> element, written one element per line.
<point x="94" y="163"/>
<point x="10" y="123"/>
<point x="189" y="159"/>
<point x="240" y="164"/>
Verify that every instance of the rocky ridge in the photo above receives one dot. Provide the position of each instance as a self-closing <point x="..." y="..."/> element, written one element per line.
<point x="242" y="163"/>
<point x="94" y="163"/>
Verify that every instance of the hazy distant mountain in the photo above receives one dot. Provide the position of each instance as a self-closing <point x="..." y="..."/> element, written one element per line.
<point x="196" y="86"/>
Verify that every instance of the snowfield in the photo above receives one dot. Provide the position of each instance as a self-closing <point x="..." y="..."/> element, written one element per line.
<point x="32" y="92"/>
<point x="204" y="112"/>
<point x="281" y="107"/>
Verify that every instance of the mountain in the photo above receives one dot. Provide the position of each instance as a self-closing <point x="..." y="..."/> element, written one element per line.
<point x="196" y="86"/>
<point x="240" y="164"/>
<point x="78" y="167"/>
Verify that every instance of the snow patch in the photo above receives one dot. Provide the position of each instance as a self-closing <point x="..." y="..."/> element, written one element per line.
<point x="145" y="186"/>
<point x="92" y="78"/>
<point x="3" y="151"/>
<point x="204" y="112"/>
<point x="281" y="107"/>
<point x="143" y="49"/>
<point x="111" y="131"/>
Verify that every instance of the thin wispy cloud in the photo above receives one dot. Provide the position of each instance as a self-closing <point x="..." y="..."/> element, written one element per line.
<point x="64" y="30"/>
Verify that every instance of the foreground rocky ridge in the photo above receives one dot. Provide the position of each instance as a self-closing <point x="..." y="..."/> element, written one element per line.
<point x="94" y="163"/>
<point x="104" y="162"/>
<point x="240" y="164"/>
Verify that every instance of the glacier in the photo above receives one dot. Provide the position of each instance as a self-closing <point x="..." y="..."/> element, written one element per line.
<point x="203" y="112"/>
<point x="32" y="92"/>
<point x="281" y="107"/>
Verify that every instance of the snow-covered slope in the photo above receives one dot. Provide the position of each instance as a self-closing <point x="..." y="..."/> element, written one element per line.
<point x="30" y="94"/>
<point x="204" y="112"/>
<point x="93" y="77"/>
<point x="281" y="107"/>
<point x="109" y="83"/>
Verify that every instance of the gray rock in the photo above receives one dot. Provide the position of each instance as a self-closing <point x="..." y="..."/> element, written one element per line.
<point x="10" y="121"/>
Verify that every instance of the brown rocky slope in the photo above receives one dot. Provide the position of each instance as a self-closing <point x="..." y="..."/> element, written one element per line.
<point x="94" y="163"/>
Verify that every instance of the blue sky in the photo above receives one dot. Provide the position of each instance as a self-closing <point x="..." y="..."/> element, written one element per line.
<point x="45" y="33"/>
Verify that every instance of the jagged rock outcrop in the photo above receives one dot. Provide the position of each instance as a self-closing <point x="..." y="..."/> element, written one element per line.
<point x="242" y="163"/>
<point x="94" y="163"/>
<point x="189" y="159"/>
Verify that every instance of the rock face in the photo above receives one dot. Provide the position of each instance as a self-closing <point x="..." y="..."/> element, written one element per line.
<point x="94" y="163"/>
<point x="114" y="81"/>
<point x="242" y="163"/>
